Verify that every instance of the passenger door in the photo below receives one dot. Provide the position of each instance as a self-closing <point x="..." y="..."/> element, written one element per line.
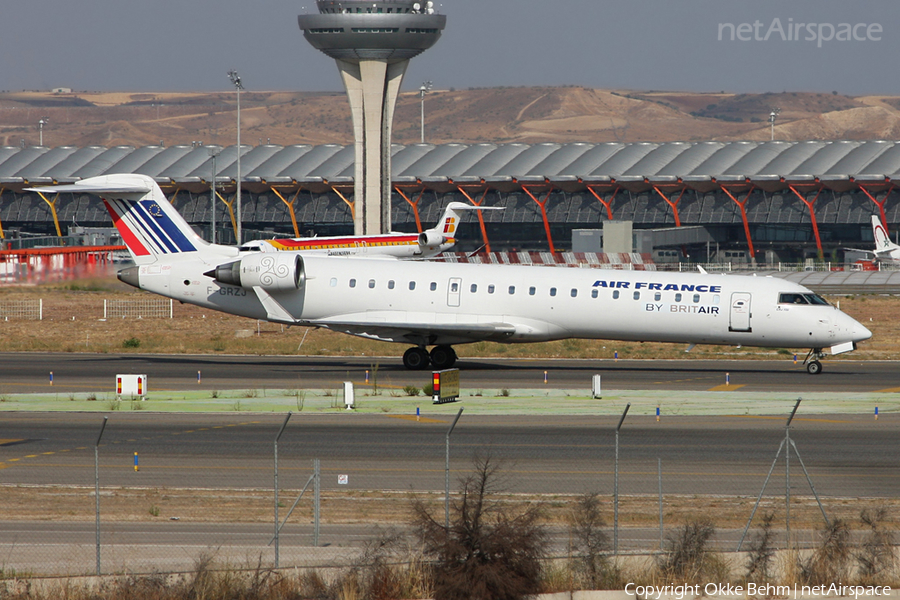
<point x="739" y="314"/>
<point x="453" y="290"/>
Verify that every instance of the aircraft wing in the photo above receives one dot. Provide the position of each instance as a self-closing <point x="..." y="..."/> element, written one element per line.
<point x="418" y="332"/>
<point x="872" y="252"/>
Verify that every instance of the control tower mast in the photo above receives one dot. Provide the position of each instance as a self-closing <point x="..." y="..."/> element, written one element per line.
<point x="372" y="41"/>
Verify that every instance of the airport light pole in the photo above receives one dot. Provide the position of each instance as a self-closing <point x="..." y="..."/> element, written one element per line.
<point x="213" y="152"/>
<point x="238" y="86"/>
<point x="41" y="123"/>
<point x="772" y="115"/>
<point x="424" y="89"/>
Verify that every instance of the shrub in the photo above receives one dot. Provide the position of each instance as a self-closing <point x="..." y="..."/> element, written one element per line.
<point x="761" y="552"/>
<point x="876" y="556"/>
<point x="591" y="545"/>
<point x="131" y="342"/>
<point x="830" y="561"/>
<point x="411" y="390"/>
<point x="488" y="550"/>
<point x="687" y="557"/>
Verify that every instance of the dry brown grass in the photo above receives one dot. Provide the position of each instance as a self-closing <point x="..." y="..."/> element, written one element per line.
<point x="73" y="323"/>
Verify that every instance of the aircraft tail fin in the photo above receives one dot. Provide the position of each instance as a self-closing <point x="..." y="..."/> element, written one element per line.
<point x="444" y="230"/>
<point x="149" y="225"/>
<point x="882" y="241"/>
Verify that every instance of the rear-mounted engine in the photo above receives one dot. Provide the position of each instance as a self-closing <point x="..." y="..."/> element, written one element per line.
<point x="431" y="239"/>
<point x="276" y="272"/>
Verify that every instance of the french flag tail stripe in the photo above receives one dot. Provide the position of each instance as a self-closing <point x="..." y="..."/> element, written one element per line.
<point x="130" y="216"/>
<point x="170" y="227"/>
<point x="128" y="236"/>
<point x="150" y="227"/>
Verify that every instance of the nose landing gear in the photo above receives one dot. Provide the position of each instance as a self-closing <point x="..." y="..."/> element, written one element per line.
<point x="813" y="366"/>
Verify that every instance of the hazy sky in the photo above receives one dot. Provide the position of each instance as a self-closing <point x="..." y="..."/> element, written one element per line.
<point x="185" y="45"/>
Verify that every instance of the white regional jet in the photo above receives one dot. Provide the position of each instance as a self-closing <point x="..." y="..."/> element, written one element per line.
<point x="442" y="304"/>
<point x="427" y="244"/>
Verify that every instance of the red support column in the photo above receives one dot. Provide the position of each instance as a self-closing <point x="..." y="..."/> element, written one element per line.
<point x="606" y="203"/>
<point x="742" y="204"/>
<point x="415" y="205"/>
<point x="880" y="205"/>
<point x="543" y="206"/>
<point x="674" y="205"/>
<point x="812" y="216"/>
<point x="484" y="237"/>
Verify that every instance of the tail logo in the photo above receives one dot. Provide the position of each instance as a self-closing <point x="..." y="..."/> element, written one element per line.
<point x="449" y="225"/>
<point x="146" y="228"/>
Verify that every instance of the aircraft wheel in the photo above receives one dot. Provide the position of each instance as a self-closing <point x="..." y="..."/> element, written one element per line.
<point x="443" y="357"/>
<point x="415" y="359"/>
<point x="813" y="367"/>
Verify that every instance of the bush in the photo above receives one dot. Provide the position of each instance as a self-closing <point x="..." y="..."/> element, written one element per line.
<point x="411" y="390"/>
<point x="687" y="557"/>
<point x="830" y="561"/>
<point x="131" y="342"/>
<point x="876" y="557"/>
<point x="761" y="552"/>
<point x="591" y="545"/>
<point x="488" y="551"/>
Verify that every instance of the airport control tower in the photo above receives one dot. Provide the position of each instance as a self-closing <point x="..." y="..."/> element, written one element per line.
<point x="372" y="41"/>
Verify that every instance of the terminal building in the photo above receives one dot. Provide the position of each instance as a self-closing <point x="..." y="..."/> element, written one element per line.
<point x="708" y="201"/>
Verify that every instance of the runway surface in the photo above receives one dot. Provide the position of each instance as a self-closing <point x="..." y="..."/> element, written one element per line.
<point x="726" y="457"/>
<point x="30" y="373"/>
<point x="848" y="456"/>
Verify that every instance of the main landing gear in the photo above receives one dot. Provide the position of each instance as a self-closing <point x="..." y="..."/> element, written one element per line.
<point x="440" y="357"/>
<point x="813" y="366"/>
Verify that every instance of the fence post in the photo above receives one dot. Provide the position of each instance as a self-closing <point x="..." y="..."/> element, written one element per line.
<point x="447" y="471"/>
<point x="317" y="487"/>
<point x="97" y="488"/>
<point x="104" y="309"/>
<point x="280" y="431"/>
<point x="616" y="486"/>
<point x="41" y="309"/>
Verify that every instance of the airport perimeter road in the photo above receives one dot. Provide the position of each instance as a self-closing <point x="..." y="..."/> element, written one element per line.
<point x="846" y="455"/>
<point x="30" y="373"/>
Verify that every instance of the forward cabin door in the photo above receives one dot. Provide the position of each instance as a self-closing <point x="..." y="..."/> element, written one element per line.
<point x="453" y="289"/>
<point x="739" y="314"/>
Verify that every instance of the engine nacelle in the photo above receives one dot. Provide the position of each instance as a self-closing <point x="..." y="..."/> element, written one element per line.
<point x="431" y="239"/>
<point x="275" y="272"/>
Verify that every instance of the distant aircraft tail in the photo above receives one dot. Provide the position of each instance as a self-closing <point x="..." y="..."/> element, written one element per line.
<point x="444" y="230"/>
<point x="882" y="241"/>
<point x="149" y="225"/>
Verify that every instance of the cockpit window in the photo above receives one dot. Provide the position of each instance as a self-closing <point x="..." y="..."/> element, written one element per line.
<point x="792" y="298"/>
<point x="816" y="299"/>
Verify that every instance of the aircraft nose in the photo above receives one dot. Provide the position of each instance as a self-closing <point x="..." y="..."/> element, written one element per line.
<point x="858" y="332"/>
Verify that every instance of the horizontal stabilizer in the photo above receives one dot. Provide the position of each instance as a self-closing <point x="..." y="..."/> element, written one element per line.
<point x="93" y="188"/>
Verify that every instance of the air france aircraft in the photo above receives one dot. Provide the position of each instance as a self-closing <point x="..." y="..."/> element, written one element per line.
<point x="427" y="244"/>
<point x="445" y="304"/>
<point x="885" y="249"/>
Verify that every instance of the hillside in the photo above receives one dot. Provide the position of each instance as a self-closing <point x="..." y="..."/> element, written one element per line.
<point x="498" y="115"/>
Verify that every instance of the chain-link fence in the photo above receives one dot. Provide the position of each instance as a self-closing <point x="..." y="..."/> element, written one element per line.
<point x="143" y="308"/>
<point x="173" y="488"/>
